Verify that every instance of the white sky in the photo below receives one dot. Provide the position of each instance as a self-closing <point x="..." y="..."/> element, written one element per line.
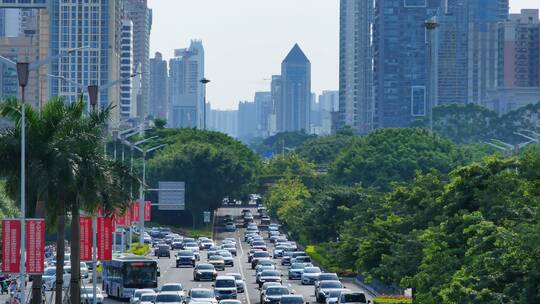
<point x="246" y="40"/>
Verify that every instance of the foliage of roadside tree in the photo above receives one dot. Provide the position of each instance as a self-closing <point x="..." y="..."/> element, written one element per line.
<point x="455" y="230"/>
<point x="394" y="155"/>
<point x="471" y="123"/>
<point x="280" y="143"/>
<point x="323" y="150"/>
<point x="213" y="166"/>
<point x="67" y="173"/>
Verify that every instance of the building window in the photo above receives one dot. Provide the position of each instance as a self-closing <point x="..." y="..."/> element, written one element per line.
<point x="418" y="101"/>
<point x="414" y="3"/>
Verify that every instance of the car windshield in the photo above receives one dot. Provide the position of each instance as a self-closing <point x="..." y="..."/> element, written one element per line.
<point x="261" y="254"/>
<point x="50" y="271"/>
<point x="298" y="266"/>
<point x="325" y="277"/>
<point x="185" y="253"/>
<point x="202" y="294"/>
<point x="172" y="288"/>
<point x="168" y="298"/>
<point x="331" y="284"/>
<point x="215" y="258"/>
<point x="205" y="267"/>
<point x="191" y="245"/>
<point x="275" y="291"/>
<point x="270" y="273"/>
<point x="228" y="246"/>
<point x="292" y="300"/>
<point x="353" y="297"/>
<point x="225" y="254"/>
<point x="225" y="283"/>
<point x="149" y="297"/>
<point x="312" y="270"/>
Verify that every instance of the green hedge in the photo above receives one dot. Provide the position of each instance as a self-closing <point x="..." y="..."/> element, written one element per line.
<point x="322" y="256"/>
<point x="392" y="300"/>
<point x="139" y="249"/>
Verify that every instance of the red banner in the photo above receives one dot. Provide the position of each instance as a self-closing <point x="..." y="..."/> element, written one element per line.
<point x="104" y="236"/>
<point x="35" y="246"/>
<point x="134" y="210"/>
<point x="147" y="211"/>
<point x="100" y="212"/>
<point x="85" y="243"/>
<point x="11" y="245"/>
<point x="123" y="220"/>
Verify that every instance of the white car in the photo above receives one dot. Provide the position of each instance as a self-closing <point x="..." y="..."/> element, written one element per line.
<point x="310" y="275"/>
<point x="168" y="297"/>
<point x="84" y="270"/>
<point x="148" y="298"/>
<point x="201" y="295"/>
<point x="49" y="278"/>
<point x="87" y="295"/>
<point x="135" y="298"/>
<point x="173" y="287"/>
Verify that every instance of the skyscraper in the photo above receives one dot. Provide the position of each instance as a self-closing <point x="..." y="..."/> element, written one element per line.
<point x="158" y="87"/>
<point x="141" y="15"/>
<point x="247" y="120"/>
<point x="264" y="109"/>
<point x="296" y="91"/>
<point x="94" y="24"/>
<point x="127" y="100"/>
<point x="328" y="104"/>
<point x="356" y="65"/>
<point x="400" y="60"/>
<point x="277" y="100"/>
<point x="186" y="92"/>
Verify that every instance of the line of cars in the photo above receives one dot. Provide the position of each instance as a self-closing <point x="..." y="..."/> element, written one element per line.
<point x="265" y="253"/>
<point x="225" y="287"/>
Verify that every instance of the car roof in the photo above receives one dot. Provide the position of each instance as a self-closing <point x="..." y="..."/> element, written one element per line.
<point x="168" y="293"/>
<point x="293" y="296"/>
<point x="200" y="289"/>
<point x="172" y="284"/>
<point x="225" y="277"/>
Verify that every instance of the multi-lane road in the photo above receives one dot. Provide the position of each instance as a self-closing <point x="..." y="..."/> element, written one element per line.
<point x="171" y="274"/>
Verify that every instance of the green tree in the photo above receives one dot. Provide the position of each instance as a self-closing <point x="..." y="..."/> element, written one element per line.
<point x="394" y="155"/>
<point x="324" y="150"/>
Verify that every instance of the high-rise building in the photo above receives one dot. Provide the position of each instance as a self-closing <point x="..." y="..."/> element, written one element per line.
<point x="158" y="87"/>
<point x="186" y="92"/>
<point x="127" y="100"/>
<point x="522" y="49"/>
<point x="400" y="60"/>
<point x="224" y="121"/>
<point x="296" y="92"/>
<point x="277" y="100"/>
<point x="247" y="121"/>
<point x="328" y="104"/>
<point x="141" y="15"/>
<point x="356" y="65"/>
<point x="89" y="23"/>
<point x="264" y="110"/>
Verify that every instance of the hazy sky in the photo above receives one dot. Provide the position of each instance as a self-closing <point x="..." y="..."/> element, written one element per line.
<point x="246" y="40"/>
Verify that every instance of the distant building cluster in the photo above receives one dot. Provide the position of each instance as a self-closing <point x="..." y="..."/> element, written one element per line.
<point x="400" y="58"/>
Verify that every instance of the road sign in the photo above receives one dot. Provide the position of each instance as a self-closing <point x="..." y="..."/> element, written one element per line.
<point x="172" y="196"/>
<point x="206" y="216"/>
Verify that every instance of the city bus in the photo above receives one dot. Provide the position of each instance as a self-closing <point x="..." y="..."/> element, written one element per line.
<point x="123" y="274"/>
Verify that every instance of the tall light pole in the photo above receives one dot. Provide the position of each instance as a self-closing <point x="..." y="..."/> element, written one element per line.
<point x="141" y="188"/>
<point x="23" y="69"/>
<point x="430" y="26"/>
<point x="92" y="95"/>
<point x="204" y="81"/>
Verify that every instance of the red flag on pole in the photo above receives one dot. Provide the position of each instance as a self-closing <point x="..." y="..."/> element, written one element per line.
<point x="147" y="211"/>
<point x="35" y="246"/>
<point x="104" y="236"/>
<point x="11" y="245"/>
<point x="86" y="238"/>
<point x="134" y="210"/>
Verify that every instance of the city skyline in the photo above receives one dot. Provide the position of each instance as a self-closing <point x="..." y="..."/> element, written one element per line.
<point x="317" y="35"/>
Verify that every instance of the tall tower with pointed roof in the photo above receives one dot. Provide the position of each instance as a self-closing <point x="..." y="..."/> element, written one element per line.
<point x="294" y="112"/>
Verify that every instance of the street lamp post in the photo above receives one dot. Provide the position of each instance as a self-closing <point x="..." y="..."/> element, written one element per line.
<point x="141" y="188"/>
<point x="204" y="81"/>
<point x="92" y="94"/>
<point x="22" y="75"/>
